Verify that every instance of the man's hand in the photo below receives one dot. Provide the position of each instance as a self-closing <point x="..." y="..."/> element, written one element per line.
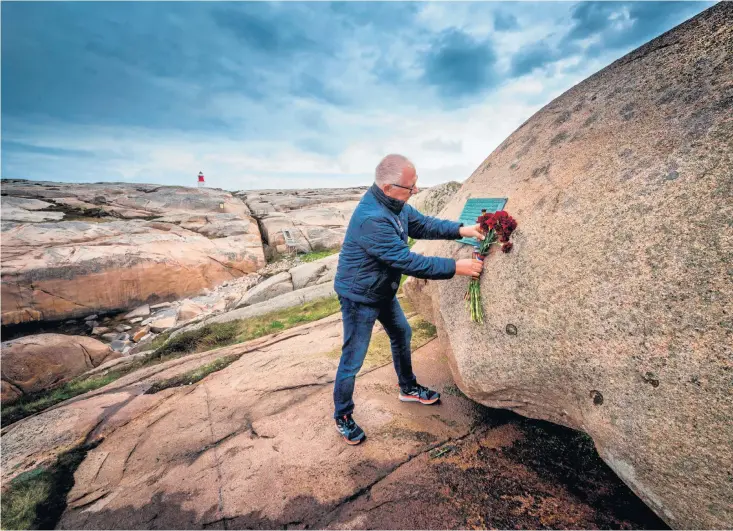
<point x="469" y="267"/>
<point x="471" y="232"/>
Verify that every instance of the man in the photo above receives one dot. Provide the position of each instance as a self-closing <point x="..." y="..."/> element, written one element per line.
<point x="372" y="261"/>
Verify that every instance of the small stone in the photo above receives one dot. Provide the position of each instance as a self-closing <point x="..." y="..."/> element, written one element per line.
<point x="92" y="324"/>
<point x="118" y="346"/>
<point x="136" y="320"/>
<point x="110" y="336"/>
<point x="123" y="336"/>
<point x="146" y="337"/>
<point x="99" y="330"/>
<point x="91" y="317"/>
<point x="189" y="310"/>
<point x="70" y="321"/>
<point x="126" y="350"/>
<point x="121" y="328"/>
<point x="140" y="311"/>
<point x="161" y="305"/>
<point x="140" y="334"/>
<point x="161" y="325"/>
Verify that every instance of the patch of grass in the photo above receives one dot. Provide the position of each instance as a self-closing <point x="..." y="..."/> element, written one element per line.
<point x="407" y="306"/>
<point x="317" y="255"/>
<point x="216" y="335"/>
<point x="37" y="498"/>
<point x="288" y="318"/>
<point x="194" y="375"/>
<point x="159" y="341"/>
<point x="380" y="351"/>
<point x="33" y="403"/>
<point x="208" y="337"/>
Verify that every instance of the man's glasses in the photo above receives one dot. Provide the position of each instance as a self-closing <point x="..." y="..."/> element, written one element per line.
<point x="410" y="188"/>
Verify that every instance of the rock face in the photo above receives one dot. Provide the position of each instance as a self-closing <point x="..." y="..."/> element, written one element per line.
<point x="612" y="314"/>
<point x="190" y="239"/>
<point x="34" y="363"/>
<point x="262" y="202"/>
<point x="267" y="289"/>
<point x="432" y="200"/>
<point x="316" y="218"/>
<point x="253" y="445"/>
<point x="25" y="210"/>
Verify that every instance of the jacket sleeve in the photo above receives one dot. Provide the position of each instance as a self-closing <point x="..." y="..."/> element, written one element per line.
<point x="379" y="239"/>
<point x="423" y="227"/>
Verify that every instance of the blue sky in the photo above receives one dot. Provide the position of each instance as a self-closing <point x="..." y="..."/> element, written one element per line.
<point x="291" y="94"/>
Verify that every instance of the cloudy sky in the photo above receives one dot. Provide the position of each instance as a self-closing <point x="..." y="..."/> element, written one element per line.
<point x="291" y="94"/>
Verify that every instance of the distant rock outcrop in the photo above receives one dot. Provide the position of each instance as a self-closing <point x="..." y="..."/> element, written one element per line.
<point x="432" y="200"/>
<point x="102" y="260"/>
<point x="315" y="218"/>
<point x="613" y="313"/>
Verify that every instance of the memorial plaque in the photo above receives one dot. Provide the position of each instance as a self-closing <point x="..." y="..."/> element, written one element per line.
<point x="472" y="210"/>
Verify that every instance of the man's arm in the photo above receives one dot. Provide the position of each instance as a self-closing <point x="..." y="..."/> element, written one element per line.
<point x="423" y="227"/>
<point x="380" y="239"/>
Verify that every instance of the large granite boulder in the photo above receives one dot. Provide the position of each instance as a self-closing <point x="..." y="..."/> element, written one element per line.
<point x="102" y="259"/>
<point x="612" y="314"/>
<point x="34" y="363"/>
<point x="71" y="269"/>
<point x="267" y="289"/>
<point x="432" y="200"/>
<point x="316" y="272"/>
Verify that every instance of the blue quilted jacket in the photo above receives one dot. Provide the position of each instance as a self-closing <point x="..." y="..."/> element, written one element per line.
<point x="375" y="253"/>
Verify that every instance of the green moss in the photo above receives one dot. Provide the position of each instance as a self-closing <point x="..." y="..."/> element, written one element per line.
<point x="194" y="375"/>
<point x="208" y="337"/>
<point x="317" y="255"/>
<point x="37" y="498"/>
<point x="159" y="340"/>
<point x="33" y="403"/>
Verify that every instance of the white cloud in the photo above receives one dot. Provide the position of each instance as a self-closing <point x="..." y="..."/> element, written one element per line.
<point x="291" y="140"/>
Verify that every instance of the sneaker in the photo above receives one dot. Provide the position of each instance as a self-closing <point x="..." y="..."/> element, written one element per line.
<point x="419" y="393"/>
<point x="351" y="433"/>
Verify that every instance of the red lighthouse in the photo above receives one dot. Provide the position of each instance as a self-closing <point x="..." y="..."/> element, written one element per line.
<point x="201" y="183"/>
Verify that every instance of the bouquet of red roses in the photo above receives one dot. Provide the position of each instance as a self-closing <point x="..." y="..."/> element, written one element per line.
<point x="497" y="229"/>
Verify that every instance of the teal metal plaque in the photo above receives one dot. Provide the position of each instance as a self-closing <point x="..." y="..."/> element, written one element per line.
<point x="472" y="210"/>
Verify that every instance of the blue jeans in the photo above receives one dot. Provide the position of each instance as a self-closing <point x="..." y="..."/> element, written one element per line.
<point x="358" y="321"/>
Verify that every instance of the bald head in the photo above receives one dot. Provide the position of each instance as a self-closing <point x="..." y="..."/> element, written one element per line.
<point x="397" y="177"/>
<point x="392" y="170"/>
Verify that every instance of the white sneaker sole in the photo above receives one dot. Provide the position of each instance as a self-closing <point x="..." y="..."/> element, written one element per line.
<point x="415" y="399"/>
<point x="353" y="443"/>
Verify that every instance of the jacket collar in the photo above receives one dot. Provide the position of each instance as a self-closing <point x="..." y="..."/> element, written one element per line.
<point x="394" y="205"/>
